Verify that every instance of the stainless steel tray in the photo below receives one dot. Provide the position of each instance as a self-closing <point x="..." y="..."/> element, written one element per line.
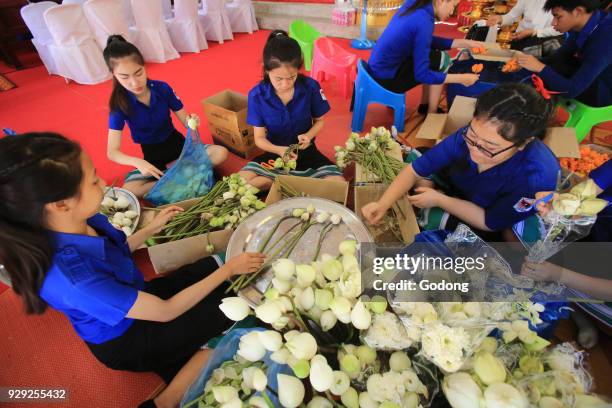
<point x="249" y="235"/>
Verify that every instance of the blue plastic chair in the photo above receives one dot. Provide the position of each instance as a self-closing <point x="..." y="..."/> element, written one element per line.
<point x="367" y="91"/>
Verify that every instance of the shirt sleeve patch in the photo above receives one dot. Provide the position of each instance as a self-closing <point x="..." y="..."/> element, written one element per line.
<point x="73" y="265"/>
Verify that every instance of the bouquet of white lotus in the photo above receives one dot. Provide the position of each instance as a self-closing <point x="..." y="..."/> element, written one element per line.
<point x="572" y="216"/>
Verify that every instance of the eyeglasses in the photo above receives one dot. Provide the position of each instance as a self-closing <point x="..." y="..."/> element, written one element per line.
<point x="480" y="148"/>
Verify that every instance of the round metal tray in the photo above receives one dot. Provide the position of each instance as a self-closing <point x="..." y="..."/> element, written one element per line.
<point x="249" y="235"/>
<point x="134" y="203"/>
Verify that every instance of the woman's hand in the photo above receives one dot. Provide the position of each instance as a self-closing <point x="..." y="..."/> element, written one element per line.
<point x="195" y="117"/>
<point x="462" y="43"/>
<point x="494" y="20"/>
<point x="468" y="79"/>
<point x="304" y="141"/>
<point x="544" y="271"/>
<point x="373" y="212"/>
<point x="427" y="197"/>
<point x="529" y="62"/>
<point x="247" y="262"/>
<point x="544" y="208"/>
<point x="147" y="168"/>
<point x="162" y="218"/>
<point x="523" y="34"/>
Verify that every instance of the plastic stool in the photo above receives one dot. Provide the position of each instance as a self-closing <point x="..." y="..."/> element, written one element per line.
<point x="367" y="90"/>
<point x="330" y="58"/>
<point x="583" y="117"/>
<point x="305" y="35"/>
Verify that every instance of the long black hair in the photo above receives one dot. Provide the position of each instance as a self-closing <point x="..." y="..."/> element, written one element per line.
<point x="35" y="169"/>
<point x="518" y="109"/>
<point x="117" y="47"/>
<point x="280" y="49"/>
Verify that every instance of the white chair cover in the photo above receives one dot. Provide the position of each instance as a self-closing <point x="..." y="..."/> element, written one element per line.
<point x="150" y="34"/>
<point x="167" y="9"/>
<point x="106" y="18"/>
<point x="215" y="21"/>
<point x="81" y="2"/>
<point x="242" y="16"/>
<point x="32" y="15"/>
<point x="185" y="31"/>
<point x="76" y="53"/>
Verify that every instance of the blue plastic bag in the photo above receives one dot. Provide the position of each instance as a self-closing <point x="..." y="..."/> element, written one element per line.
<point x="490" y="77"/>
<point x="224" y="351"/>
<point x="190" y="177"/>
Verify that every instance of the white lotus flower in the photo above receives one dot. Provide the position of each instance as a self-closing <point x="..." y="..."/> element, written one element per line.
<point x="360" y="316"/>
<point x="254" y="378"/>
<point x="235" y="308"/>
<point x="268" y="312"/>
<point x="502" y="395"/>
<point x="250" y="347"/>
<point x="399" y="361"/>
<point x="328" y="320"/>
<point x="224" y="394"/>
<point x="271" y="340"/>
<point x="461" y="391"/>
<point x="302" y="346"/>
<point x="280" y="356"/>
<point x="348" y="247"/>
<point x="365" y="401"/>
<point x="322" y="217"/>
<point x="321" y="374"/>
<point x="319" y="402"/>
<point x="336" y="219"/>
<point x="258" y="402"/>
<point x="305" y="275"/>
<point x="284" y="269"/>
<point x="341" y="383"/>
<point x="307" y="299"/>
<point x="290" y="391"/>
<point x="281" y="285"/>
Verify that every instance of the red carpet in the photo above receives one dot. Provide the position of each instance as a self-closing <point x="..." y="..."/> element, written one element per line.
<point x="44" y="351"/>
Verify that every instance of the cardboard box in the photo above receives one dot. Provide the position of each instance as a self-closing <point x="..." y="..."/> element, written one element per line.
<point x="362" y="176"/>
<point x="172" y="255"/>
<point x="562" y="141"/>
<point x="226" y="113"/>
<point x="333" y="190"/>
<point x="408" y="225"/>
<point x="439" y="125"/>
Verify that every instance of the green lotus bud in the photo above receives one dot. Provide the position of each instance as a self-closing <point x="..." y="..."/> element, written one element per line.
<point x="531" y="365"/>
<point x="489" y="368"/>
<point x="272" y="294"/>
<point x="350" y="398"/>
<point x="399" y="361"/>
<point x="350" y="365"/>
<point x="585" y="189"/>
<point x="301" y="368"/>
<point x="538" y="344"/>
<point x="388" y="404"/>
<point x="378" y="304"/>
<point x="488" y="344"/>
<point x="592" y="206"/>
<point x="323" y="298"/>
<point x="410" y="400"/>
<point x="332" y="269"/>
<point x="365" y="354"/>
<point x="566" y="204"/>
<point x="298" y="212"/>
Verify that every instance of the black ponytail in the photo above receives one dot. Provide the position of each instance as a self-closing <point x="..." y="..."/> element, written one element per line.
<point x="416" y="5"/>
<point x="35" y="169"/>
<point x="518" y="109"/>
<point x="117" y="47"/>
<point x="280" y="49"/>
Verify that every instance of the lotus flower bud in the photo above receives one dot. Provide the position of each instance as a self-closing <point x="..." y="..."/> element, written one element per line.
<point x="328" y="320"/>
<point x="365" y="354"/>
<point x="365" y="401"/>
<point x="350" y="145"/>
<point x="360" y="317"/>
<point x="310" y="209"/>
<point x="228" y="195"/>
<point x="378" y="304"/>
<point x="290" y="391"/>
<point x="271" y="340"/>
<point x="321" y="375"/>
<point x="257" y="402"/>
<point x="271" y="294"/>
<point x="284" y="269"/>
<point x="290" y="334"/>
<point x="121" y="203"/>
<point x="319" y="402"/>
<point x="350" y="365"/>
<point x="332" y="269"/>
<point x="107" y="202"/>
<point x="336" y="219"/>
<point x="350" y="264"/>
<point x="322" y="217"/>
<point x="592" y="206"/>
<point x="306" y="274"/>
<point x="268" y="312"/>
<point x="566" y="204"/>
<point x="340" y="384"/>
<point x="348" y="247"/>
<point x="301" y="368"/>
<point x="489" y="368"/>
<point x="235" y="308"/>
<point x="461" y="391"/>
<point x="280" y="356"/>
<point x="323" y="298"/>
<point x="307" y="299"/>
<point x="281" y="285"/>
<point x="399" y="361"/>
<point x="489" y="344"/>
<point x="302" y="346"/>
<point x="340" y="306"/>
<point x="305" y="216"/>
<point x="250" y="348"/>
<point x="224" y="394"/>
<point x="504" y="395"/>
<point x="254" y="378"/>
<point x="350" y="398"/>
<point x="298" y="212"/>
<point x="410" y="400"/>
<point x="280" y="323"/>
<point x="585" y="189"/>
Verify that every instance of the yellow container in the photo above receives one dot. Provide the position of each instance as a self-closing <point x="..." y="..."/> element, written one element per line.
<point x="379" y="12"/>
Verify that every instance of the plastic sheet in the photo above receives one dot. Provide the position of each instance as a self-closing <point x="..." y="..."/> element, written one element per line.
<point x="190" y="177"/>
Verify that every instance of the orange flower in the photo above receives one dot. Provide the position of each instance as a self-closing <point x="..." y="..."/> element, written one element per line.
<point x="477" y="68"/>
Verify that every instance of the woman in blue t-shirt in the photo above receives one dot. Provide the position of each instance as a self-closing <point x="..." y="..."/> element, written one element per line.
<point x="285" y="109"/>
<point x="408" y="54"/>
<point x="60" y="252"/>
<point x="145" y="105"/>
<point x="483" y="169"/>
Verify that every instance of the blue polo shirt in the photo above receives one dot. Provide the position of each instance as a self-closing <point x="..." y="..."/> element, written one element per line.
<point x="602" y="230"/>
<point x="149" y="124"/>
<point x="499" y="188"/>
<point x="592" y="48"/>
<point x="285" y="123"/>
<point x="406" y="37"/>
<point x="93" y="281"/>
